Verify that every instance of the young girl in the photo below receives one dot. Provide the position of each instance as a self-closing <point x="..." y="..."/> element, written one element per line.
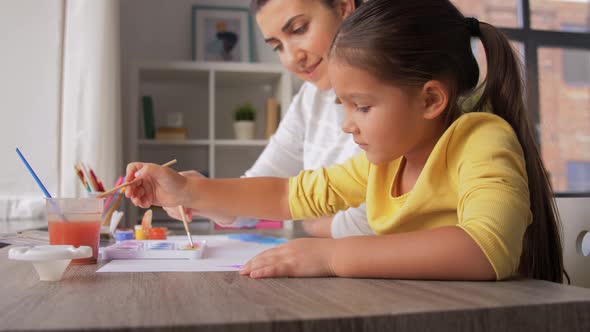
<point x="309" y="137"/>
<point x="454" y="194"/>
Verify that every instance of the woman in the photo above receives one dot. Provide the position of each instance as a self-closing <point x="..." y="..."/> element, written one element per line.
<point x="309" y="136"/>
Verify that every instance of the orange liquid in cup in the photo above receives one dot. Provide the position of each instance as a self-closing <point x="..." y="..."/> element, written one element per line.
<point x="76" y="233"/>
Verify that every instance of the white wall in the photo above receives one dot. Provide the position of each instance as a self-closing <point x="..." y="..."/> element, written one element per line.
<point x="30" y="31"/>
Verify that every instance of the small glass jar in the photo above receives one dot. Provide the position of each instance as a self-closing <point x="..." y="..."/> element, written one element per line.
<point x="158" y="233"/>
<point x="140" y="234"/>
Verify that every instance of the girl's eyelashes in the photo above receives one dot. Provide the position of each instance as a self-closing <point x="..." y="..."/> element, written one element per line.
<point x="362" y="109"/>
<point x="277" y="48"/>
<point x="350" y="106"/>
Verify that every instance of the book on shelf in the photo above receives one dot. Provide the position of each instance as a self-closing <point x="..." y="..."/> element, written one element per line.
<point x="171" y="133"/>
<point x="148" y="117"/>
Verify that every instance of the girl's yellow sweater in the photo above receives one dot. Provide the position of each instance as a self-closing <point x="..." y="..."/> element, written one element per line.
<point x="475" y="178"/>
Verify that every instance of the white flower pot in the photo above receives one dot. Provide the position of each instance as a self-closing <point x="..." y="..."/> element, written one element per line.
<point x="244" y="129"/>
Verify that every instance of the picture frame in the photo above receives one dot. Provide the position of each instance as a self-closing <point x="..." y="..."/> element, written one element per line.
<point x="221" y="34"/>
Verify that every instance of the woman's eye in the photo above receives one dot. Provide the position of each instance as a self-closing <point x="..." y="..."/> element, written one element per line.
<point x="300" y="30"/>
<point x="277" y="48"/>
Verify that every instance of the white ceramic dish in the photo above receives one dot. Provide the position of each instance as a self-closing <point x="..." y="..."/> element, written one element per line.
<point x="50" y="261"/>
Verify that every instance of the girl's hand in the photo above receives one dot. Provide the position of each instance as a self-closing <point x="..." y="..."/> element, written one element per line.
<point x="157" y="185"/>
<point x="190" y="213"/>
<point x="172" y="211"/>
<point x="297" y="258"/>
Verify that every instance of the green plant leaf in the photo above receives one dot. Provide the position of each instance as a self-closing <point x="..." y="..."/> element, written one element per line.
<point x="245" y="112"/>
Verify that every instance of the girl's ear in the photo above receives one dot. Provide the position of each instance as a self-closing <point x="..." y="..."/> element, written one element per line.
<point x="435" y="96"/>
<point x="345" y="8"/>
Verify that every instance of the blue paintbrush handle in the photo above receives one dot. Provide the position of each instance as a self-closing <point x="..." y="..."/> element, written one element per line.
<point x="33" y="173"/>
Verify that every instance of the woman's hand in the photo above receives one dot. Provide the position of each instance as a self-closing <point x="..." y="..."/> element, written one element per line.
<point x="304" y="257"/>
<point x="157" y="185"/>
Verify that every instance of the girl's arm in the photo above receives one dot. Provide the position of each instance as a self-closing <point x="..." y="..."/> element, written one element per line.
<point x="318" y="227"/>
<point x="351" y="222"/>
<point x="445" y="253"/>
<point x="172" y="211"/>
<point x="264" y="197"/>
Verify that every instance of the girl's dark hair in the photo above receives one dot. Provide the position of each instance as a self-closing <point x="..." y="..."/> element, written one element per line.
<point x="407" y="43"/>
<point x="255" y="5"/>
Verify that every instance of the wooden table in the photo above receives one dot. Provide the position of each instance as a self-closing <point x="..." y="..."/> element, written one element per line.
<point x="224" y="301"/>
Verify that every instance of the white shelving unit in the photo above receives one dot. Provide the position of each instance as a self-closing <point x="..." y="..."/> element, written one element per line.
<point x="207" y="94"/>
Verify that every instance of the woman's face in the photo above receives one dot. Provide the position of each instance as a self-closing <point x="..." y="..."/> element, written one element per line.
<point x="301" y="32"/>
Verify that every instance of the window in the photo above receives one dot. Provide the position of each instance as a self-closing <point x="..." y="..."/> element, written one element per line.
<point x="576" y="67"/>
<point x="564" y="113"/>
<point x="500" y="13"/>
<point x="562" y="15"/>
<point x="553" y="38"/>
<point x="578" y="176"/>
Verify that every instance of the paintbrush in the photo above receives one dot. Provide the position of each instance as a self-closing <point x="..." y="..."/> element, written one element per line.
<point x="188" y="233"/>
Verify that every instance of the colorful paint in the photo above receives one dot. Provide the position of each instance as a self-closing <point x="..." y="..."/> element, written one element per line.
<point x="161" y="246"/>
<point x="257" y="238"/>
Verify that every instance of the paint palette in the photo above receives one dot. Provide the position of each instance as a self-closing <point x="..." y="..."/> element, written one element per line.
<point x="154" y="249"/>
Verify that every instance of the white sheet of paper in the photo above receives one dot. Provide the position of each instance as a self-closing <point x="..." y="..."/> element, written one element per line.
<point x="221" y="254"/>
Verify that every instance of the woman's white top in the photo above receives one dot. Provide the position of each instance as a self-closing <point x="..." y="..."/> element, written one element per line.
<point x="309" y="137"/>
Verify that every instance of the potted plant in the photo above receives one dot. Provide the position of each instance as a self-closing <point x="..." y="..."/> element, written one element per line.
<point x="244" y="121"/>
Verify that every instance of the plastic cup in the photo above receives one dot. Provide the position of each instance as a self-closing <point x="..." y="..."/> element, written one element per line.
<point x="75" y="221"/>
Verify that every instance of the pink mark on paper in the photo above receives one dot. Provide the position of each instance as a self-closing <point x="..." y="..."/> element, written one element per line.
<point x="237" y="266"/>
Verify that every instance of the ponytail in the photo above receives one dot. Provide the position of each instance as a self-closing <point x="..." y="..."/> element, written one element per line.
<point x="542" y="256"/>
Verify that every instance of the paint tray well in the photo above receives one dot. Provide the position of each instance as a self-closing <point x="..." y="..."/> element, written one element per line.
<point x="154" y="249"/>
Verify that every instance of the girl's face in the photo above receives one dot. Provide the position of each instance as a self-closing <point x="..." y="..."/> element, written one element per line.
<point x="386" y="121"/>
<point x="301" y="32"/>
